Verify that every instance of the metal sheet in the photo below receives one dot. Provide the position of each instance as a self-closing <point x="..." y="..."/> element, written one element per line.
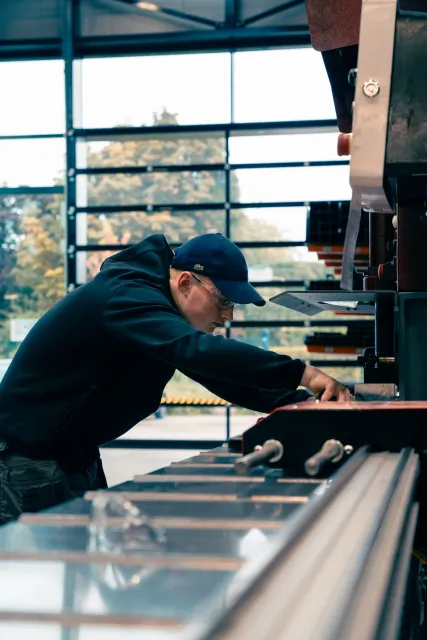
<point x="44" y="540"/>
<point x="48" y="630"/>
<point x="37" y="590"/>
<point x="370" y="118"/>
<point x="313" y="302"/>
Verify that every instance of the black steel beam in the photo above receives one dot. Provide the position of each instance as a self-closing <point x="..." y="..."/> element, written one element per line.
<point x="33" y="49"/>
<point x="205" y="206"/>
<point x="243" y="245"/>
<point x="236" y="128"/>
<point x="30" y="191"/>
<point x="135" y="169"/>
<point x="70" y="26"/>
<point x="232" y="13"/>
<point x="223" y="39"/>
<point x="279" y="283"/>
<point x="278" y="324"/>
<point x="321" y="364"/>
<point x="33" y="136"/>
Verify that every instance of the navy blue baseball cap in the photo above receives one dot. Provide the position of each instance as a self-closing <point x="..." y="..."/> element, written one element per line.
<point x="215" y="256"/>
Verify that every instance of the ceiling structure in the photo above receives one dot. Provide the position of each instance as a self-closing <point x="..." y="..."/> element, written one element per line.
<point x="33" y="30"/>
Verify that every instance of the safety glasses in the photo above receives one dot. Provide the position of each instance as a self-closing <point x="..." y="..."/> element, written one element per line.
<point x="220" y="300"/>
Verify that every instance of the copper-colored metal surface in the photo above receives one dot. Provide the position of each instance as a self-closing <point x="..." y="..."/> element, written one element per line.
<point x="356" y="406"/>
<point x="333" y="23"/>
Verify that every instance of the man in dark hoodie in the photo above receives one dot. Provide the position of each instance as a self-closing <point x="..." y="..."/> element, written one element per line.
<point x="97" y="363"/>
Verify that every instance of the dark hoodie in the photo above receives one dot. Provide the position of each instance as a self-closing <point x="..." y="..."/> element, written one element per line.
<point x="97" y="363"/>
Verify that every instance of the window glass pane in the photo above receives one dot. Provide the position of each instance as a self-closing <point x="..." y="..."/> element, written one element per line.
<point x="152" y="150"/>
<point x="270" y="311"/>
<point x="31" y="265"/>
<point x="192" y="423"/>
<point x="94" y="260"/>
<point x="287" y="223"/>
<point x="277" y="263"/>
<point x="32" y="163"/>
<point x="281" y="84"/>
<point x="302" y="184"/>
<point x="34" y="102"/>
<point x="241" y="420"/>
<point x="130" y="228"/>
<point x="121" y="465"/>
<point x="283" y="148"/>
<point x="177" y="89"/>
<point x="186" y="423"/>
<point x="290" y="341"/>
<point x="154" y="188"/>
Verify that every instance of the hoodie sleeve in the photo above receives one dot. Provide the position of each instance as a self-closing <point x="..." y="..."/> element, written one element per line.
<point x="254" y="398"/>
<point x="152" y="326"/>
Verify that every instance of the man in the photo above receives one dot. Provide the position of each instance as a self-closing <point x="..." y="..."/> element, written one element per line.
<point x="97" y="363"/>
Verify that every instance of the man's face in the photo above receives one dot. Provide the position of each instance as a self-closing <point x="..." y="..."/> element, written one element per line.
<point x="198" y="301"/>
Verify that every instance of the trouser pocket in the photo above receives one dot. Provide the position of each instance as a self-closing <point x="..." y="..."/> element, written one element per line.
<point x="28" y="485"/>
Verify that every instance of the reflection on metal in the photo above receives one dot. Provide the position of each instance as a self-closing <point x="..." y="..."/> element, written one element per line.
<point x="66" y="520"/>
<point x="168" y="561"/>
<point x="341" y="565"/>
<point x="311" y="303"/>
<point x="199" y="465"/>
<point x="72" y="619"/>
<point x="182" y="479"/>
<point x="154" y="496"/>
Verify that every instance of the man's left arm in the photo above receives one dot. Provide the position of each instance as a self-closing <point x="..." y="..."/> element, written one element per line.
<point x="253" y="398"/>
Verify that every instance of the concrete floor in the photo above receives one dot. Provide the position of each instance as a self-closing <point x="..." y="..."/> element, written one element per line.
<point x="123" y="464"/>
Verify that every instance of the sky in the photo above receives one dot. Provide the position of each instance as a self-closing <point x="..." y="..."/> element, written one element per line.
<point x="272" y="85"/>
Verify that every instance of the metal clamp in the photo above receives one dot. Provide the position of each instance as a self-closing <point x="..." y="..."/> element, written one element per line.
<point x="270" y="451"/>
<point x="331" y="451"/>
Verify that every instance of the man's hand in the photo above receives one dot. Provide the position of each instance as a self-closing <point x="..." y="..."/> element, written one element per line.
<point x="319" y="382"/>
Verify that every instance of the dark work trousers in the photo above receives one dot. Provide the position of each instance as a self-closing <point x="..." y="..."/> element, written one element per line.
<point x="28" y="485"/>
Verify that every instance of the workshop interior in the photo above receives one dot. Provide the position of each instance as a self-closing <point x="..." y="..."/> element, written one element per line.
<point x="297" y="129"/>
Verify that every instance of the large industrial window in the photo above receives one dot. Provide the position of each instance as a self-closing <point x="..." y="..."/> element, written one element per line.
<point x="181" y="145"/>
<point x="32" y="161"/>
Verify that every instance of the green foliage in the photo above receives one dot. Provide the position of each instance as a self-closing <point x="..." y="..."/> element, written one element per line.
<point x="31" y="230"/>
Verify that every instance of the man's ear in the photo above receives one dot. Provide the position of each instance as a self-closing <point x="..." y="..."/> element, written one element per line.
<point x="185" y="282"/>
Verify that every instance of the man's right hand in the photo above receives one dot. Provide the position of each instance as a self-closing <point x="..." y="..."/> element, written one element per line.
<point x="319" y="382"/>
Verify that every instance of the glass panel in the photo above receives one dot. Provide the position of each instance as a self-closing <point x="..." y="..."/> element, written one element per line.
<point x="94" y="260"/>
<point x="186" y="423"/>
<point x="290" y="341"/>
<point x="291" y="263"/>
<point x="270" y="311"/>
<point x="283" y="148"/>
<point x="31" y="163"/>
<point x="177" y="89"/>
<point x="281" y="84"/>
<point x="301" y="184"/>
<point x="36" y="103"/>
<point x="121" y="465"/>
<point x="241" y="420"/>
<point x="155" y="188"/>
<point x="32" y="265"/>
<point x="269" y="224"/>
<point x="158" y="149"/>
<point x="125" y="228"/>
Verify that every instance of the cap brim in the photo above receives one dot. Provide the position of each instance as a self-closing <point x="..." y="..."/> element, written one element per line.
<point x="239" y="292"/>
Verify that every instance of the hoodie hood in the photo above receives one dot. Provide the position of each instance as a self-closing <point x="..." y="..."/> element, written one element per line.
<point x="148" y="260"/>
